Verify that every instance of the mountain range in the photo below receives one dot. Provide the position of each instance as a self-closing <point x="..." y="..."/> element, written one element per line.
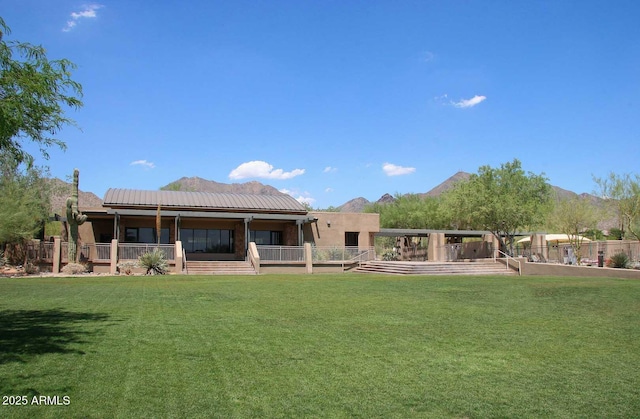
<point x="358" y="204"/>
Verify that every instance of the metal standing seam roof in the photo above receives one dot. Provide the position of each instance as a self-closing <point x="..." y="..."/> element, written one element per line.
<point x="115" y="197"/>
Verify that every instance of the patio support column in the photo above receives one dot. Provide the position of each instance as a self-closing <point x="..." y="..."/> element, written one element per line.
<point x="57" y="253"/>
<point x="435" y="249"/>
<point x="247" y="236"/>
<point x="493" y="244"/>
<point x="178" y="257"/>
<point x="308" y="258"/>
<point x="177" y="228"/>
<point x="300" y="238"/>
<point x="116" y="226"/>
<point x="539" y="245"/>
<point x="113" y="266"/>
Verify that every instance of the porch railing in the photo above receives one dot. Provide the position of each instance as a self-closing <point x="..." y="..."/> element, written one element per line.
<point x="100" y="251"/>
<point x="334" y="254"/>
<point x="318" y="254"/>
<point x="132" y="251"/>
<point x="41" y="251"/>
<point x="281" y="253"/>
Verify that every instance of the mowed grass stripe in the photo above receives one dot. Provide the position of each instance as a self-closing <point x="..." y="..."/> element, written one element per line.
<point x="331" y="345"/>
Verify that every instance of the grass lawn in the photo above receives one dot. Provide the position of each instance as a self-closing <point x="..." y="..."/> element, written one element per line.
<point x="320" y="346"/>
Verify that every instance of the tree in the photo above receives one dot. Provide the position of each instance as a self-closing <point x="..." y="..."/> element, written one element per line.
<point x="33" y="93"/>
<point x="622" y="192"/>
<point x="24" y="205"/>
<point x="500" y="200"/>
<point x="574" y="217"/>
<point x="409" y="211"/>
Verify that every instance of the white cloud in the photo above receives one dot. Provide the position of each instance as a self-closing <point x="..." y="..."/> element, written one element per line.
<point x="304" y="198"/>
<point x="262" y="169"/>
<point x="393" y="170"/>
<point x="428" y="56"/>
<point x="469" y="103"/>
<point x="328" y="190"/>
<point x="88" y="12"/>
<point x="143" y="163"/>
<point x="442" y="99"/>
<point x="330" y="169"/>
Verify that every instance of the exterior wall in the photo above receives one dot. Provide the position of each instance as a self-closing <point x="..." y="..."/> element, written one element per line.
<point x="98" y="228"/>
<point x="552" y="269"/>
<point x="331" y="227"/>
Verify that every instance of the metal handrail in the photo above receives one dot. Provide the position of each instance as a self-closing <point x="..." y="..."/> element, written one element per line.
<point x="360" y="256"/>
<point x="507" y="257"/>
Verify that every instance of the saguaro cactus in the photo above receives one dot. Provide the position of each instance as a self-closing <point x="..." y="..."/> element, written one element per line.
<point x="74" y="218"/>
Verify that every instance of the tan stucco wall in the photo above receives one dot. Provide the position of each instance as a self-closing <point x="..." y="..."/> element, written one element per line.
<point x="551" y="269"/>
<point x="331" y="228"/>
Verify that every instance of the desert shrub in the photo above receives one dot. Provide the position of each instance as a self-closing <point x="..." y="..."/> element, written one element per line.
<point x="74" y="269"/>
<point x="127" y="267"/>
<point x="619" y="260"/>
<point x="154" y="262"/>
<point x="333" y="253"/>
<point x="389" y="256"/>
<point x="31" y="268"/>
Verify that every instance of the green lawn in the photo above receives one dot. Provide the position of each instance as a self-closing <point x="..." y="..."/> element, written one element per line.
<point x="321" y="346"/>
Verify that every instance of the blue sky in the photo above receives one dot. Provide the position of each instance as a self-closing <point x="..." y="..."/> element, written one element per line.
<point x="331" y="100"/>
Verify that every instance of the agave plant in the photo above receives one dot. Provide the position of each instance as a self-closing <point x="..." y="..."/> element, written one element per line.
<point x="154" y="262"/>
<point x="619" y="260"/>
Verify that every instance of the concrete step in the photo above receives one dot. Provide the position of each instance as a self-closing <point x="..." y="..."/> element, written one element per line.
<point x="197" y="267"/>
<point x="484" y="267"/>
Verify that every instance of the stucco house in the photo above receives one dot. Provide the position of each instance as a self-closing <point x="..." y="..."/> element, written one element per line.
<point x="202" y="226"/>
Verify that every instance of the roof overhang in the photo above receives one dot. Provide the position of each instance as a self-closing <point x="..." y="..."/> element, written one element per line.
<point x="209" y="214"/>
<point x="420" y="232"/>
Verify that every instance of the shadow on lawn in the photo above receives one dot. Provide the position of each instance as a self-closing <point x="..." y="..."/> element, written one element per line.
<point x="38" y="332"/>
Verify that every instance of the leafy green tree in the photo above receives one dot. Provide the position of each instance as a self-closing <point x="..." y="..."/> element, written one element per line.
<point x="622" y="192"/>
<point x="330" y="208"/>
<point x="24" y="205"/>
<point x="33" y="94"/>
<point x="594" y="234"/>
<point x="410" y="211"/>
<point x="176" y="186"/>
<point x="615" y="234"/>
<point x="574" y="217"/>
<point x="501" y="200"/>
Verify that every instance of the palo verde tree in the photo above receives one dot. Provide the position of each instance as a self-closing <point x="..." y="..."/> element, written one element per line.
<point x="34" y="92"/>
<point x="574" y="217"/>
<point x="24" y="205"/>
<point x="409" y="211"/>
<point x="622" y="192"/>
<point x="502" y="200"/>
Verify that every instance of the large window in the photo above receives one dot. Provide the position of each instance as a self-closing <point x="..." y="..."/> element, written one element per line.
<point x="206" y="240"/>
<point x="266" y="237"/>
<point x="145" y="235"/>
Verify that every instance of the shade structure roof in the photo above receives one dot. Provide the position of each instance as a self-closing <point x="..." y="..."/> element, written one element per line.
<point x="202" y="201"/>
<point x="559" y="238"/>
